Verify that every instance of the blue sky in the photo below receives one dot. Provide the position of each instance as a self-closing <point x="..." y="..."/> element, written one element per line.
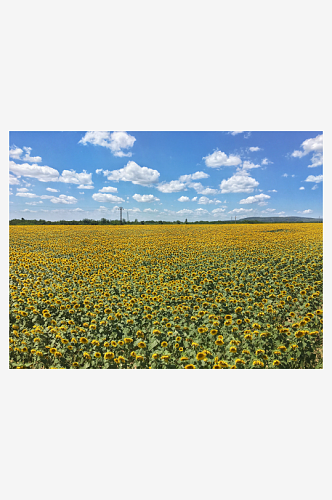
<point x="165" y="175"/>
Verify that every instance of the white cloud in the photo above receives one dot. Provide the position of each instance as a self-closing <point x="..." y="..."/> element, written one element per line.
<point x="270" y="210"/>
<point x="99" y="170"/>
<point x="310" y="145"/>
<point x="200" y="211"/>
<point x="27" y="210"/>
<point x="27" y="195"/>
<point x="108" y="189"/>
<point x="150" y="211"/>
<point x="22" y="190"/>
<point x="200" y="189"/>
<point x="316" y="160"/>
<point x="280" y="213"/>
<point x="220" y="159"/>
<point x="185" y="212"/>
<point x="301" y="188"/>
<point x="77" y="210"/>
<point x="52" y="190"/>
<point x="116" y="142"/>
<point x="218" y="211"/>
<point x="145" y="198"/>
<point x="262" y="203"/>
<point x="314" y="187"/>
<point x="107" y="197"/>
<point x="31" y="159"/>
<point x="42" y="173"/>
<point x="15" y="152"/>
<point x="34" y="203"/>
<point x="72" y="177"/>
<point x="255" y="199"/>
<point x="247" y="165"/>
<point x="265" y="161"/>
<point x="272" y="191"/>
<point x="183" y="198"/>
<point x="254" y="148"/>
<point x="308" y="211"/>
<point x="240" y="210"/>
<point x="195" y="176"/>
<point x="235" y="133"/>
<point x="66" y="200"/>
<point x="313" y="178"/>
<point x="194" y="198"/>
<point x="13" y="180"/>
<point x="284" y="175"/>
<point x="240" y="182"/>
<point x="81" y="186"/>
<point x="46" y="197"/>
<point x="171" y="187"/>
<point x="134" y="173"/>
<point x="203" y="200"/>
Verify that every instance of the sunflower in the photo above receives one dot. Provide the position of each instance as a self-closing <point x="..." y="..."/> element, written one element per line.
<point x="189" y="367"/>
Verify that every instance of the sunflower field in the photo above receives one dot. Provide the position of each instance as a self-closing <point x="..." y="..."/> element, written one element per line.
<point x="167" y="296"/>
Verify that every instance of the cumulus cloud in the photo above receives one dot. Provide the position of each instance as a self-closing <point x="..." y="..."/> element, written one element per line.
<point x="22" y="190"/>
<point x="99" y="170"/>
<point x="171" y="187"/>
<point x="284" y="175"/>
<point x="313" y="178"/>
<point x="13" y="180"/>
<point x="27" y="195"/>
<point x="314" y="187"/>
<point x="218" y="211"/>
<point x="240" y="182"/>
<point x="77" y="210"/>
<point x="254" y="148"/>
<point x="272" y="191"/>
<point x="116" y="142"/>
<point x="108" y="189"/>
<point x="15" y="152"/>
<point x="194" y="198"/>
<point x="42" y="173"/>
<point x="66" y="200"/>
<point x="200" y="189"/>
<point x="34" y="202"/>
<point x="314" y="145"/>
<point x="107" y="197"/>
<point x="52" y="190"/>
<point x="255" y="199"/>
<point x="194" y="177"/>
<point x="265" y="161"/>
<point x="150" y="211"/>
<point x="240" y="210"/>
<point x="235" y="133"/>
<point x="203" y="200"/>
<point x="81" y="186"/>
<point x="134" y="173"/>
<point x="220" y="159"/>
<point x="270" y="210"/>
<point x="145" y="198"/>
<point x="200" y="211"/>
<point x="72" y="177"/>
<point x="316" y="160"/>
<point x="185" y="211"/>
<point x="27" y="210"/>
<point x="301" y="188"/>
<point x="308" y="211"/>
<point x="247" y="165"/>
<point x="183" y="198"/>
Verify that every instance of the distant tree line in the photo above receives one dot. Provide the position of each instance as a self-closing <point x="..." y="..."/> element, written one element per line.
<point x="116" y="222"/>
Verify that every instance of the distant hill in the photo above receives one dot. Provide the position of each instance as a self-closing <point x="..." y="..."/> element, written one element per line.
<point x="281" y="219"/>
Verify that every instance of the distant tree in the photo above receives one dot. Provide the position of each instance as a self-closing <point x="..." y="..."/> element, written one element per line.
<point x="142" y="222"/>
<point x="186" y="221"/>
